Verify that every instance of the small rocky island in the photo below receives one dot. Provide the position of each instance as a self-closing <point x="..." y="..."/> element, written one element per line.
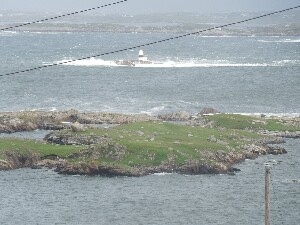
<point x="110" y="144"/>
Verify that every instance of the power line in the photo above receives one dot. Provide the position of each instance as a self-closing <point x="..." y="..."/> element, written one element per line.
<point x="150" y="43"/>
<point x="64" y="15"/>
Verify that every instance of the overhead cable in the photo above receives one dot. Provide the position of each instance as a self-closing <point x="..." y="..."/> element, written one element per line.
<point x="63" y="15"/>
<point x="150" y="43"/>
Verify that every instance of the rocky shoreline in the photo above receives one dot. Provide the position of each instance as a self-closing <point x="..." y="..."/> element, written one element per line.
<point x="26" y="121"/>
<point x="11" y="122"/>
<point x="224" y="166"/>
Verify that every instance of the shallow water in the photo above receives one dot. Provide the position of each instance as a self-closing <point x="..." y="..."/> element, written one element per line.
<point x="36" y="134"/>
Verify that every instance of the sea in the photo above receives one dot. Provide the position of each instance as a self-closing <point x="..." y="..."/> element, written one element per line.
<point x="248" y="75"/>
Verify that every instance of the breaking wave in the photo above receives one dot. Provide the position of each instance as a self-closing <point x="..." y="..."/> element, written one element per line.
<point x="287" y="40"/>
<point x="178" y="64"/>
<point x="8" y="33"/>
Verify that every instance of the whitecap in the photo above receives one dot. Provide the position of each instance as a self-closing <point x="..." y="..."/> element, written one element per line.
<point x="190" y="63"/>
<point x="162" y="174"/>
<point x="154" y="110"/>
<point x="281" y="41"/>
<point x="87" y="62"/>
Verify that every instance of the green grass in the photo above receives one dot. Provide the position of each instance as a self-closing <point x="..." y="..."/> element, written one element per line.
<point x="151" y="143"/>
<point x="24" y="146"/>
<point x="156" y="143"/>
<point x="235" y="121"/>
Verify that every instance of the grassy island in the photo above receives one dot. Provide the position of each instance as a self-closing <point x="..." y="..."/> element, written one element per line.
<point x="195" y="145"/>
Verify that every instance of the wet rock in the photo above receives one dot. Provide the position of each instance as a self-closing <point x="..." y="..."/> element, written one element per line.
<point x="231" y="173"/>
<point x="208" y="110"/>
<point x="36" y="167"/>
<point x="177" y="116"/>
<point x="276" y="150"/>
<point x="16" y="160"/>
<point x="256" y="150"/>
<point x="51" y="126"/>
<point x="235" y="169"/>
<point x="95" y="169"/>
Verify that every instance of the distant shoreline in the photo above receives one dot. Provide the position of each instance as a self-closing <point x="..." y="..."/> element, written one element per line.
<point x="180" y="22"/>
<point x="116" y="28"/>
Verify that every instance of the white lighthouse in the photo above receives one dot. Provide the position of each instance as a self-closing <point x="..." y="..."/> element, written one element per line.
<point x="134" y="62"/>
<point x="142" y="58"/>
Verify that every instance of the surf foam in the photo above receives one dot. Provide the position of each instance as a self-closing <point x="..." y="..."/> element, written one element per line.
<point x="177" y="64"/>
<point x="281" y="41"/>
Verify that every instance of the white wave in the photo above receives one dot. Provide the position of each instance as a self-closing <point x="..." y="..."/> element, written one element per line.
<point x="286" y="62"/>
<point x="169" y="64"/>
<point x="51" y="109"/>
<point x="162" y="174"/>
<point x="215" y="36"/>
<point x="281" y="41"/>
<point x="154" y="110"/>
<point x="195" y="64"/>
<point x="8" y="33"/>
<point x="88" y="62"/>
<point x="293" y="41"/>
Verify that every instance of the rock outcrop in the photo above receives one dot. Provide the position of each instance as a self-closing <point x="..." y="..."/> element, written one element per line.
<point x="94" y="148"/>
<point x="282" y="134"/>
<point x="177" y="116"/>
<point x="62" y="138"/>
<point x="224" y="162"/>
<point x="31" y="120"/>
<point x="14" y="160"/>
<point x="207" y="111"/>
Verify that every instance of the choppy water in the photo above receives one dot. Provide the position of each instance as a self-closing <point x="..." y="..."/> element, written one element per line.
<point x="232" y="74"/>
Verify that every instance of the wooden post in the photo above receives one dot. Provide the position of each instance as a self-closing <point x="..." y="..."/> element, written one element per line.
<point x="267" y="194"/>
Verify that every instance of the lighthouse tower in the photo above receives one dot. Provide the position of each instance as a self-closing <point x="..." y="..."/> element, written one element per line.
<point x="142" y="58"/>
